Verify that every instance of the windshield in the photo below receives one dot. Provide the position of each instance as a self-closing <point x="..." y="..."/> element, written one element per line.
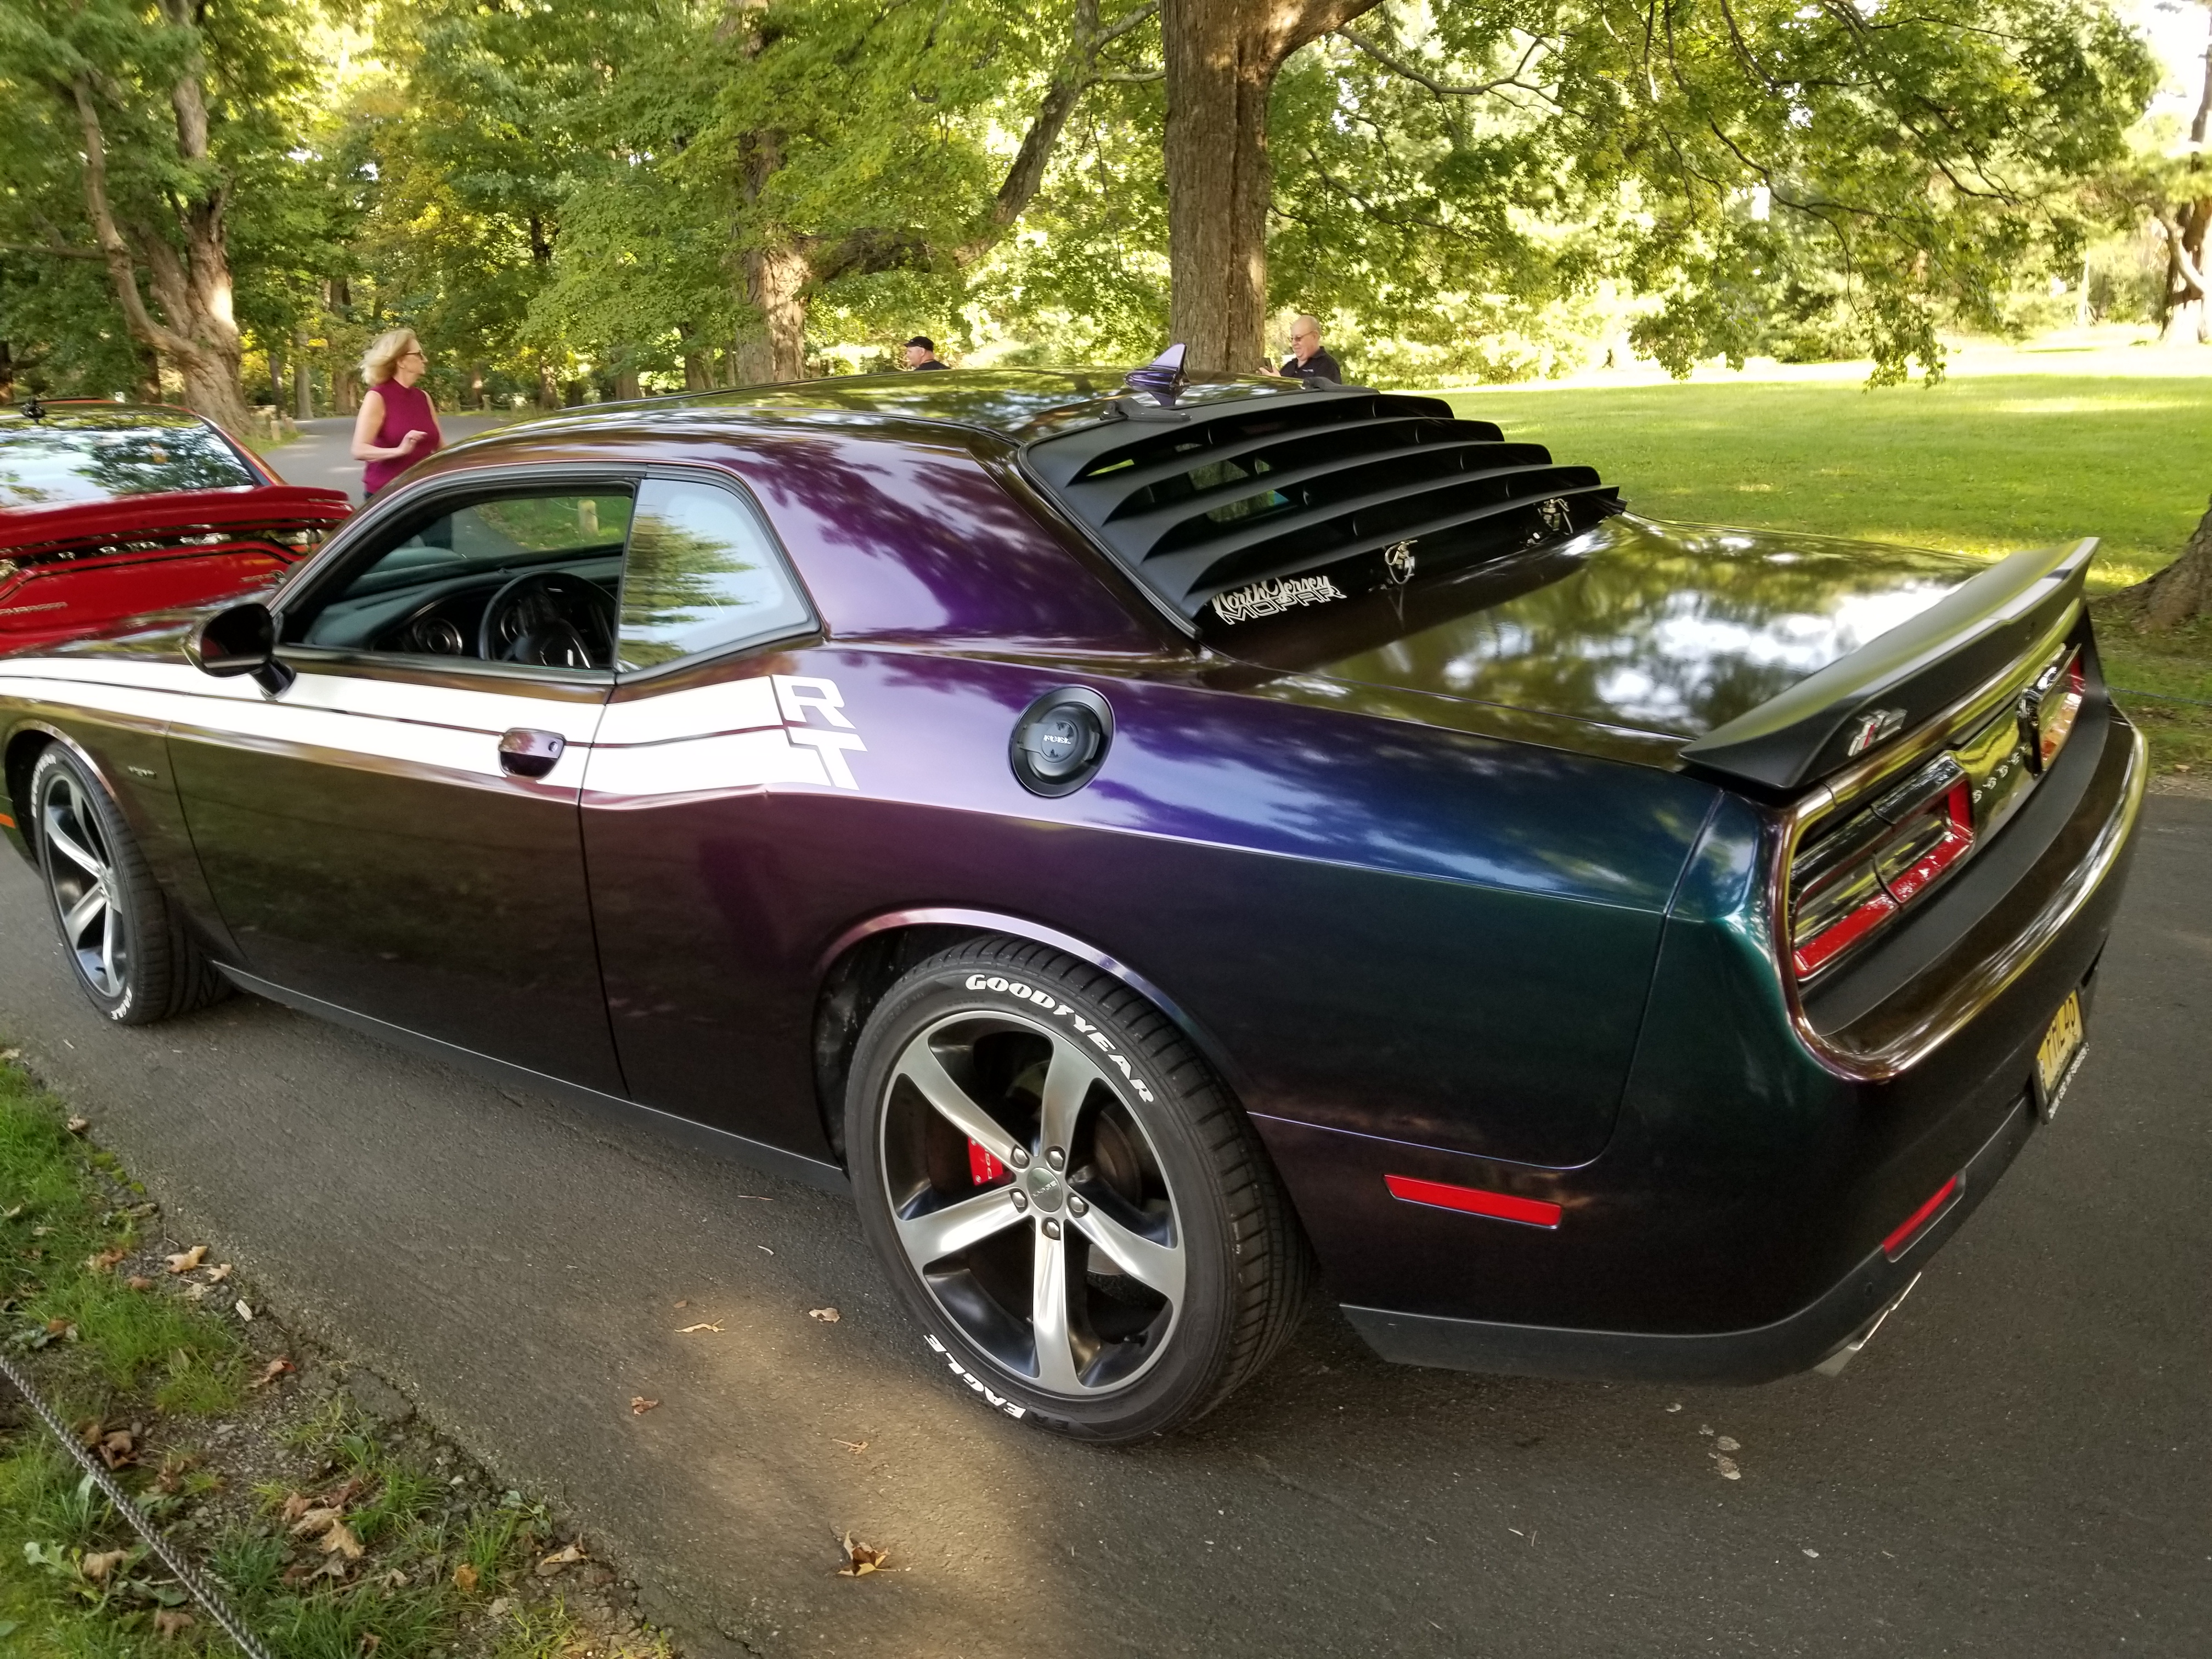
<point x="92" y="458"/>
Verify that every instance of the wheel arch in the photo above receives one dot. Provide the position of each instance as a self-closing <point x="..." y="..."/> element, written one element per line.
<point x="862" y="964"/>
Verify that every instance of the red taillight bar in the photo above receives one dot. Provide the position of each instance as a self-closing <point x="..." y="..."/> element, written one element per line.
<point x="1901" y="1240"/>
<point x="1475" y="1200"/>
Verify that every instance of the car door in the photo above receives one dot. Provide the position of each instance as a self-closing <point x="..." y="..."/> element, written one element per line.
<point x="397" y="832"/>
<point x="707" y="726"/>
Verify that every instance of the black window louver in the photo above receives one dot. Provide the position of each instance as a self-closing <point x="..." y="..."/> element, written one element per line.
<point x="1229" y="510"/>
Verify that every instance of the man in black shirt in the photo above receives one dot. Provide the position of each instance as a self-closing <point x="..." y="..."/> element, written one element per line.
<point x="1307" y="360"/>
<point x="922" y="353"/>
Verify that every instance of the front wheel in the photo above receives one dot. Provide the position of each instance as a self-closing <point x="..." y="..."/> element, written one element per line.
<point x="1085" y="1224"/>
<point x="125" y="941"/>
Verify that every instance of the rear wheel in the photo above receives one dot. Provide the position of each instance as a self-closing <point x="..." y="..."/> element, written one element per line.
<point x="1087" y="1227"/>
<point x="126" y="944"/>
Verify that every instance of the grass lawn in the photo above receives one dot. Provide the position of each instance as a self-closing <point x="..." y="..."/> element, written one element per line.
<point x="1987" y="463"/>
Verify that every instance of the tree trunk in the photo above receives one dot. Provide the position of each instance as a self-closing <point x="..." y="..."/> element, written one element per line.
<point x="2184" y="322"/>
<point x="2183" y="591"/>
<point x="549" y="389"/>
<point x="303" y="377"/>
<point x="476" y="385"/>
<point x="197" y="330"/>
<point x="626" y="386"/>
<point x="7" y="374"/>
<point x="775" y="285"/>
<point x="1222" y="57"/>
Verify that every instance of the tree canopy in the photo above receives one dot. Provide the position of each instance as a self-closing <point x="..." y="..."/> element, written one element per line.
<point x="574" y="199"/>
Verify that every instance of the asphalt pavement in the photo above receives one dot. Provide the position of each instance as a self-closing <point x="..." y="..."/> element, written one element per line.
<point x="2016" y="1466"/>
<point x="322" y="454"/>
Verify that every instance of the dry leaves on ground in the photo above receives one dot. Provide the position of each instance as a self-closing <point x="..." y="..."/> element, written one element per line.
<point x="274" y="1369"/>
<point x="216" y="1274"/>
<point x="184" y="1260"/>
<point x="97" y="1567"/>
<point x="465" y="1579"/>
<point x="174" y="1467"/>
<point x="340" y="1540"/>
<point x="566" y="1556"/>
<point x="639" y="1404"/>
<point x="1727" y="1468"/>
<point x="77" y="1126"/>
<point x="861" y="1559"/>
<point x="138" y="1282"/>
<point x="167" y="1621"/>
<point x="827" y="1316"/>
<point x="106" y="1262"/>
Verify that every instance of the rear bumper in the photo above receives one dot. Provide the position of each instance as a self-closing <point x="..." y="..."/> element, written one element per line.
<point x="1761" y="1353"/>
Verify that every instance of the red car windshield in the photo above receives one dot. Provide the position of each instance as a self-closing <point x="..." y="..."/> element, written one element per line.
<point x="84" y="455"/>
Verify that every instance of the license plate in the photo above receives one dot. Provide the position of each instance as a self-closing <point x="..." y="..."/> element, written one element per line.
<point x="2057" y="1056"/>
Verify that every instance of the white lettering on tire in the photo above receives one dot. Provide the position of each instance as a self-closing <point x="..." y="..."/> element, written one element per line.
<point x="991" y="1396"/>
<point x="1045" y="1000"/>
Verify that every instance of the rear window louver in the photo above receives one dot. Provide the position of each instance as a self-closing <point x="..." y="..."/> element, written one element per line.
<point x="1231" y="511"/>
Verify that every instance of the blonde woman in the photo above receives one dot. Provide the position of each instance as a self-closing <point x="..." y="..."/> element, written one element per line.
<point x="397" y="426"/>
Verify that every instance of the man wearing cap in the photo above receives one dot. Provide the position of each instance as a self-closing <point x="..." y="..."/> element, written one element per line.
<point x="922" y="353"/>
<point x="1307" y="360"/>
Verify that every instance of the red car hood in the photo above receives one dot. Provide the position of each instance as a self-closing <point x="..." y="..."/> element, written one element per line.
<point x="133" y="518"/>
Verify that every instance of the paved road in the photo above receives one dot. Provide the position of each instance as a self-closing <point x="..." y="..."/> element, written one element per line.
<point x="320" y="455"/>
<point x="2018" y="1466"/>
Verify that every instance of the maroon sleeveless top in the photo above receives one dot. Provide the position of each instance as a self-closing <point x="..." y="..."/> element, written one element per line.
<point x="406" y="408"/>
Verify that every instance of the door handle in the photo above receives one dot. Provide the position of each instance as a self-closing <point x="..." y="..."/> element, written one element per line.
<point x="529" y="754"/>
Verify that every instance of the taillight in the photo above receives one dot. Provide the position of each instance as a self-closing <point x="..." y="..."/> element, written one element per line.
<point x="1852" y="881"/>
<point x="2052" y="704"/>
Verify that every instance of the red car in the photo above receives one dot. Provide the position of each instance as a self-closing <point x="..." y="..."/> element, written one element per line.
<point x="112" y="510"/>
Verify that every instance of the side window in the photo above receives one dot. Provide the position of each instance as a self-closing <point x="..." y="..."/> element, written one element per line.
<point x="528" y="577"/>
<point x="701" y="576"/>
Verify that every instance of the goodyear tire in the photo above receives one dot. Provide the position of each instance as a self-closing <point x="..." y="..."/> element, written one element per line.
<point x="1085" y="1224"/>
<point x="126" y="944"/>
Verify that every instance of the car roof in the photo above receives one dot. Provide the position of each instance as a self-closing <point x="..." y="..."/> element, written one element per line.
<point x="1017" y="405"/>
<point x="98" y="415"/>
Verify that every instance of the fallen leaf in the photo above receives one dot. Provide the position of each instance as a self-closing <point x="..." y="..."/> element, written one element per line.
<point x="105" y="1262"/>
<point x="77" y="1126"/>
<point x="334" y="1566"/>
<point x="174" y="1466"/>
<point x="683" y="1304"/>
<point x="861" y="1559"/>
<point x="566" y="1556"/>
<point x="274" y="1369"/>
<point x="1728" y="1468"/>
<point x="313" y="1524"/>
<point x="295" y="1505"/>
<point x="341" y="1539"/>
<point x="464" y="1578"/>
<point x="499" y="1608"/>
<point x="185" y="1260"/>
<point x="64" y="1329"/>
<point x="687" y="1330"/>
<point x="244" y="1311"/>
<point x="370" y="1641"/>
<point x="97" y="1567"/>
<point x="169" y="1620"/>
<point x="138" y="1282"/>
<point x="851" y="1445"/>
<point x="217" y="1275"/>
<point x="196" y="1291"/>
<point x="639" y="1404"/>
<point x="827" y="1316"/>
<point x="118" y="1449"/>
<point x="1728" y="1442"/>
<point x="11" y="1054"/>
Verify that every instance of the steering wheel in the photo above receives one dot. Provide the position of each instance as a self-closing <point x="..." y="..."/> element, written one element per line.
<point x="550" y="618"/>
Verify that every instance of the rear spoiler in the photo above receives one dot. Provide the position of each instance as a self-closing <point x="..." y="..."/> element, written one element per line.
<point x="1898" y="680"/>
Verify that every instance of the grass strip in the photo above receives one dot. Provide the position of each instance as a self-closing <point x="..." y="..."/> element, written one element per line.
<point x="335" y="1533"/>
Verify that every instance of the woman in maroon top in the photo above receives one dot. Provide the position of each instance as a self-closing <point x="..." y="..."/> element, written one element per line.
<point x="397" y="427"/>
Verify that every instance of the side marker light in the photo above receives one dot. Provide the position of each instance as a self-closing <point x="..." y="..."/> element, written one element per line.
<point x="1475" y="1200"/>
<point x="1914" y="1224"/>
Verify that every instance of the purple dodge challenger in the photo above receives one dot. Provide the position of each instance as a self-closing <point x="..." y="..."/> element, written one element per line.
<point x="1163" y="847"/>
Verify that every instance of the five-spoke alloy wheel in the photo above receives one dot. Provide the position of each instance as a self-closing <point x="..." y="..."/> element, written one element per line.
<point x="125" y="940"/>
<point x="1087" y="1226"/>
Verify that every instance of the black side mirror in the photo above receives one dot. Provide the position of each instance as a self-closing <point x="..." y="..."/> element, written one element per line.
<point x="240" y="640"/>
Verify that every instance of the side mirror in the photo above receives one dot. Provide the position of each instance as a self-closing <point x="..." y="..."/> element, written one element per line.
<point x="240" y="640"/>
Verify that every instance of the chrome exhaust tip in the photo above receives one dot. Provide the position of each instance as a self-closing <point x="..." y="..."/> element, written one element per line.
<point x="1835" y="1363"/>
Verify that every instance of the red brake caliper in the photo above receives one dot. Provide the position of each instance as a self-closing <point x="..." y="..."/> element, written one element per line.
<point x="983" y="1166"/>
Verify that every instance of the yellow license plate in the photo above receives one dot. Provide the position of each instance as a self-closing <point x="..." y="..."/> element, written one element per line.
<point x="2055" y="1056"/>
